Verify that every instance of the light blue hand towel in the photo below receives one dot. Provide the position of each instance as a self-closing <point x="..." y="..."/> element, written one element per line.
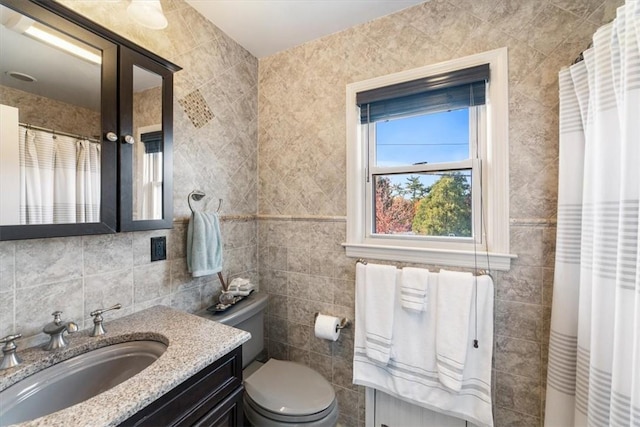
<point x="204" y="244"/>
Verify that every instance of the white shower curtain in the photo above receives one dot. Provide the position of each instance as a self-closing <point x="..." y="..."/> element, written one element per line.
<point x="64" y="196"/>
<point x="88" y="182"/>
<point x="36" y="177"/>
<point x="594" y="349"/>
<point x="59" y="179"/>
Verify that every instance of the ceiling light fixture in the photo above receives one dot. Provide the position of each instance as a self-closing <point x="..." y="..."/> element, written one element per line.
<point x="148" y="13"/>
<point x="60" y="43"/>
<point x="24" y="25"/>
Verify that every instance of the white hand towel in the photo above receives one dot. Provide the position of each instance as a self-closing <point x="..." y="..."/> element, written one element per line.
<point x="378" y="284"/>
<point x="413" y="292"/>
<point x="455" y="291"/>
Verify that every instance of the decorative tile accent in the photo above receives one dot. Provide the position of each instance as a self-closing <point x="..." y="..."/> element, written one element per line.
<point x="196" y="108"/>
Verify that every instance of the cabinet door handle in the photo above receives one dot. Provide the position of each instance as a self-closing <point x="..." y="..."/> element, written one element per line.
<point x="111" y="136"/>
<point x="129" y="139"/>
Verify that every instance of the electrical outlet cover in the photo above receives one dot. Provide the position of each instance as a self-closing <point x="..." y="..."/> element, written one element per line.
<point x="158" y="248"/>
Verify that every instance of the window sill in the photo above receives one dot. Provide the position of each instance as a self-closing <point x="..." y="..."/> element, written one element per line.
<point x="454" y="258"/>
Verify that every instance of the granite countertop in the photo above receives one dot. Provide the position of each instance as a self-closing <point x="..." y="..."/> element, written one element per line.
<point x="192" y="344"/>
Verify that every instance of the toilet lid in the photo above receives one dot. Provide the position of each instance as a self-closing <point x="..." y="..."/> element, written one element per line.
<point x="288" y="388"/>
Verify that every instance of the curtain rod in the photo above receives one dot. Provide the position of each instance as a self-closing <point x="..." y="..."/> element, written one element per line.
<point x="581" y="56"/>
<point x="55" y="132"/>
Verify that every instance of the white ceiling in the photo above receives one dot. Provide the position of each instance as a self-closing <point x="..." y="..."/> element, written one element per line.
<point x="265" y="27"/>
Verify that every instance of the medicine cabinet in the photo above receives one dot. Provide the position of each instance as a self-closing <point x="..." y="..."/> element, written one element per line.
<point x="85" y="127"/>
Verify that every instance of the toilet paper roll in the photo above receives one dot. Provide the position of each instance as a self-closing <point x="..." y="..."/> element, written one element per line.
<point x="327" y="327"/>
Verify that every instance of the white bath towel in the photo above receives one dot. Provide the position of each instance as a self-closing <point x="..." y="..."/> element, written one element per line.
<point x="411" y="373"/>
<point x="375" y="286"/>
<point x="413" y="291"/>
<point x="455" y="290"/>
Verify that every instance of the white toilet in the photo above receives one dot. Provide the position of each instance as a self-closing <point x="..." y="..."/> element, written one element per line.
<point x="277" y="393"/>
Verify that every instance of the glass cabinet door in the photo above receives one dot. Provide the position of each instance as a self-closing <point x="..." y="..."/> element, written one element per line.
<point x="58" y="105"/>
<point x="145" y="147"/>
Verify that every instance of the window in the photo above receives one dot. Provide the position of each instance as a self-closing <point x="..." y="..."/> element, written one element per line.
<point x="427" y="158"/>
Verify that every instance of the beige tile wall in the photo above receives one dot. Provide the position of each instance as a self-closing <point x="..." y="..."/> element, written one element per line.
<point x="40" y="111"/>
<point x="302" y="177"/>
<point x="216" y="153"/>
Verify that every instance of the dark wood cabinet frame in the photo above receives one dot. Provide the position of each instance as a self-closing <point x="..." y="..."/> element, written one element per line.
<point x="113" y="187"/>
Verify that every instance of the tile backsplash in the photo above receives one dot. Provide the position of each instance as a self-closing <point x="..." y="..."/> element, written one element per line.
<point x="80" y="274"/>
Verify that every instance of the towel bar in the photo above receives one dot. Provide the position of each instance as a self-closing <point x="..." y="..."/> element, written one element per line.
<point x="476" y="273"/>
<point x="197" y="195"/>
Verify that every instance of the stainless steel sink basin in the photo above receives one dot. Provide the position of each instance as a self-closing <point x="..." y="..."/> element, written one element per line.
<point x="76" y="380"/>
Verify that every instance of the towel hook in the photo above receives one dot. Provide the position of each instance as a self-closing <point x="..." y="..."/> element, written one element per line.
<point x="198" y="195"/>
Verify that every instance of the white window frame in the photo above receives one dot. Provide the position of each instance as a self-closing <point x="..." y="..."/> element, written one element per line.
<point x="494" y="154"/>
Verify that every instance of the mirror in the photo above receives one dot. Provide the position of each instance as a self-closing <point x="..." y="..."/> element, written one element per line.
<point x="148" y="147"/>
<point x="146" y="114"/>
<point x="50" y="124"/>
<point x="101" y="106"/>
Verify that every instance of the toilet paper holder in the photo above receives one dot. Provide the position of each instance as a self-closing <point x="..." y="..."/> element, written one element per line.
<point x="344" y="322"/>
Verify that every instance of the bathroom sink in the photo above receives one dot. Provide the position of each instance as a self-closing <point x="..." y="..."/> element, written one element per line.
<point x="76" y="380"/>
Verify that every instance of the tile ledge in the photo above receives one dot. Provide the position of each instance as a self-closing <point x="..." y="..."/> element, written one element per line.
<point x="325" y="218"/>
<point x="223" y="218"/>
<point x="534" y="222"/>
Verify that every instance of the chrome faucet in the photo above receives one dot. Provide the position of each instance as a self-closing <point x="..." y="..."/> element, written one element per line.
<point x="98" y="329"/>
<point x="56" y="329"/>
<point x="10" y="358"/>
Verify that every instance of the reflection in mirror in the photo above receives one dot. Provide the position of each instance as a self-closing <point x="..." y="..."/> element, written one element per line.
<point x="148" y="146"/>
<point x="50" y="125"/>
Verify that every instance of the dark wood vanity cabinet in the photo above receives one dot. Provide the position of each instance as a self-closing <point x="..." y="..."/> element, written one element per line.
<point x="210" y="398"/>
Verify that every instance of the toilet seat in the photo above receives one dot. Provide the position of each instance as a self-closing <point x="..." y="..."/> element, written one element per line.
<point x="289" y="392"/>
<point x="307" y="420"/>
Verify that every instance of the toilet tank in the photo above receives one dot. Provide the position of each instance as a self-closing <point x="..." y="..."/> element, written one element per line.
<point x="247" y="315"/>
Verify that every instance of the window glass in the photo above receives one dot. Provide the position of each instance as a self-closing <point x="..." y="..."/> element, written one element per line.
<point x="424" y="204"/>
<point x="428" y="138"/>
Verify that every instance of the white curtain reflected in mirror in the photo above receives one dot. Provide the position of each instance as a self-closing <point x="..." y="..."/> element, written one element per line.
<point x="59" y="179"/>
<point x="50" y="124"/>
<point x="148" y="171"/>
<point x="151" y="182"/>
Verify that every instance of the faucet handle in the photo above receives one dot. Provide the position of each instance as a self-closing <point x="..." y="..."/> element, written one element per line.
<point x="99" y="311"/>
<point x="98" y="329"/>
<point x="56" y="316"/>
<point x="10" y="358"/>
<point x="8" y="340"/>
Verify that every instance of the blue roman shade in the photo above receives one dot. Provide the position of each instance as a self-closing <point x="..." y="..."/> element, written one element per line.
<point x="441" y="92"/>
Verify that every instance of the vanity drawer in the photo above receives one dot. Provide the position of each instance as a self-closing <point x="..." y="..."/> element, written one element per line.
<point x="229" y="413"/>
<point x="193" y="401"/>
